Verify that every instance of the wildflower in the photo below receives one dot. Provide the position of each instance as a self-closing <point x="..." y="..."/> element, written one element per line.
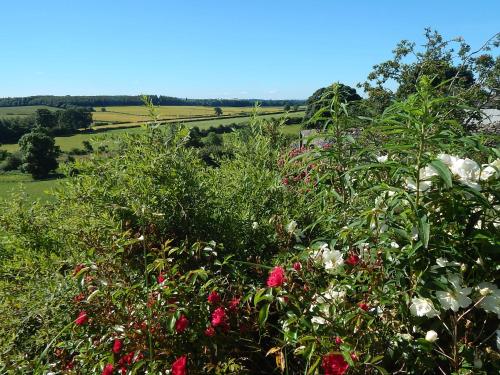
<point x="213" y="298"/>
<point x="394" y="245"/>
<point x="160" y="278"/>
<point x="179" y="366"/>
<point x="234" y="304"/>
<point x="255" y="225"/>
<point x="291" y="227"/>
<point x="108" y="369"/>
<point x="334" y="364"/>
<point x="431" y="336"/>
<point x="352" y="259"/>
<point x="297" y="266"/>
<point x="82" y="318"/>
<point x="117" y="346"/>
<point x="363" y="306"/>
<point x="219" y="317"/>
<point x="422" y="307"/>
<point x="354" y="357"/>
<point x="382" y="158"/>
<point x="491" y="300"/>
<point x="181" y="324"/>
<point x="457" y="297"/>
<point x="276" y="277"/>
<point x="210" y="331"/>
<point x="338" y="340"/>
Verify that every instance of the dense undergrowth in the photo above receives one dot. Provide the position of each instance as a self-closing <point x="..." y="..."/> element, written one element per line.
<point x="375" y="253"/>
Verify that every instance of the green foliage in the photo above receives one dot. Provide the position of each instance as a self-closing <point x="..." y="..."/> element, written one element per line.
<point x="356" y="239"/>
<point x="38" y="153"/>
<point x="218" y="111"/>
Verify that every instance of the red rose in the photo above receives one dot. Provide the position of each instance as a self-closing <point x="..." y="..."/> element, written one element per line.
<point x="219" y="317"/>
<point x="181" y="324"/>
<point x="210" y="331"/>
<point x="117" y="346"/>
<point x="160" y="278"/>
<point x="108" y="370"/>
<point x="276" y="277"/>
<point x="363" y="306"/>
<point x="234" y="304"/>
<point x="338" y="340"/>
<point x="297" y="266"/>
<point x="179" y="366"/>
<point x="334" y="364"/>
<point x="213" y="297"/>
<point x="352" y="259"/>
<point x="81" y="319"/>
<point x="123" y="371"/>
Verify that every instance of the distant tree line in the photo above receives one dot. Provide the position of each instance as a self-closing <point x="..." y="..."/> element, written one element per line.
<point x="59" y="122"/>
<point x="122" y="100"/>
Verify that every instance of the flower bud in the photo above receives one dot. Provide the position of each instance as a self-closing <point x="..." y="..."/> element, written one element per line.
<point x="431" y="336"/>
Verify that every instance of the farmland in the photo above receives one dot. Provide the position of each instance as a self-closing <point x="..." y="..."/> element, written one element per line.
<point x="68" y="143"/>
<point x="7" y="112"/>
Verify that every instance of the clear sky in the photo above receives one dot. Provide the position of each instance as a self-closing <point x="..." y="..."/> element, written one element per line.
<point x="215" y="49"/>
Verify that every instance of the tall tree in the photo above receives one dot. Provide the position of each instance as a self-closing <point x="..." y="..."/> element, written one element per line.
<point x="321" y="97"/>
<point x="218" y="111"/>
<point x="452" y="65"/>
<point x="38" y="153"/>
<point x="45" y="118"/>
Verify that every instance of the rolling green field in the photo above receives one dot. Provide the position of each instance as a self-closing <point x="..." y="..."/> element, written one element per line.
<point x="20" y="182"/>
<point x="15" y="182"/>
<point x="68" y="143"/>
<point x="22" y="111"/>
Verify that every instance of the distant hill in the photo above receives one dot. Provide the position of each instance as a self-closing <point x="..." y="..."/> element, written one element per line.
<point x="116" y="100"/>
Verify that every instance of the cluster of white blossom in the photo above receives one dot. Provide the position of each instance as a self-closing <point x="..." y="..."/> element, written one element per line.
<point x="323" y="302"/>
<point x="332" y="260"/>
<point x="458" y="297"/>
<point x="467" y="171"/>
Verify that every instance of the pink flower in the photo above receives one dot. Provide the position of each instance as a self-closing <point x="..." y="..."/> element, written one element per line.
<point x="234" y="304"/>
<point x="334" y="364"/>
<point x="210" y="331"/>
<point x="297" y="266"/>
<point x="213" y="298"/>
<point x="117" y="346"/>
<point x="352" y="259"/>
<point x="276" y="277"/>
<point x="354" y="357"/>
<point x="219" y="317"/>
<point x="179" y="366"/>
<point x="338" y="340"/>
<point x="160" y="278"/>
<point x="363" y="306"/>
<point x="82" y="318"/>
<point x="181" y="324"/>
<point x="108" y="369"/>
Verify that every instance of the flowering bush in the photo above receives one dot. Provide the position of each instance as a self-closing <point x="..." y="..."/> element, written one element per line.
<point x="383" y="261"/>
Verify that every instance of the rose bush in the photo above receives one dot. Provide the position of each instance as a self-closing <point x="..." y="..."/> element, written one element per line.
<point x="373" y="254"/>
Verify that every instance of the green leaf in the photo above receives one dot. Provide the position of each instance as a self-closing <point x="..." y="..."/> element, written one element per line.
<point x="424" y="230"/>
<point x="263" y="314"/>
<point x="443" y="172"/>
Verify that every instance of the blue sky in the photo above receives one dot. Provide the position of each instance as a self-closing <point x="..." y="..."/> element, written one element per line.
<point x="215" y="49"/>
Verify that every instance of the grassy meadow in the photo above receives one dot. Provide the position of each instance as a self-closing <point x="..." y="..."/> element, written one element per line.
<point x="7" y="112"/>
<point x="17" y="182"/>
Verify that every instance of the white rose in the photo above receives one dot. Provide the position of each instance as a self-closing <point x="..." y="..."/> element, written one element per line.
<point x="466" y="169"/>
<point x="431" y="336"/>
<point x="456" y="297"/>
<point x="422" y="307"/>
<point x="447" y="159"/>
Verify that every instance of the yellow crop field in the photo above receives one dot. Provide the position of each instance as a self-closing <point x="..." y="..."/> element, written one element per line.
<point x="124" y="114"/>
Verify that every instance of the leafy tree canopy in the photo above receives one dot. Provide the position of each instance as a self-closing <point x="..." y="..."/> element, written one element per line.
<point x="38" y="153"/>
